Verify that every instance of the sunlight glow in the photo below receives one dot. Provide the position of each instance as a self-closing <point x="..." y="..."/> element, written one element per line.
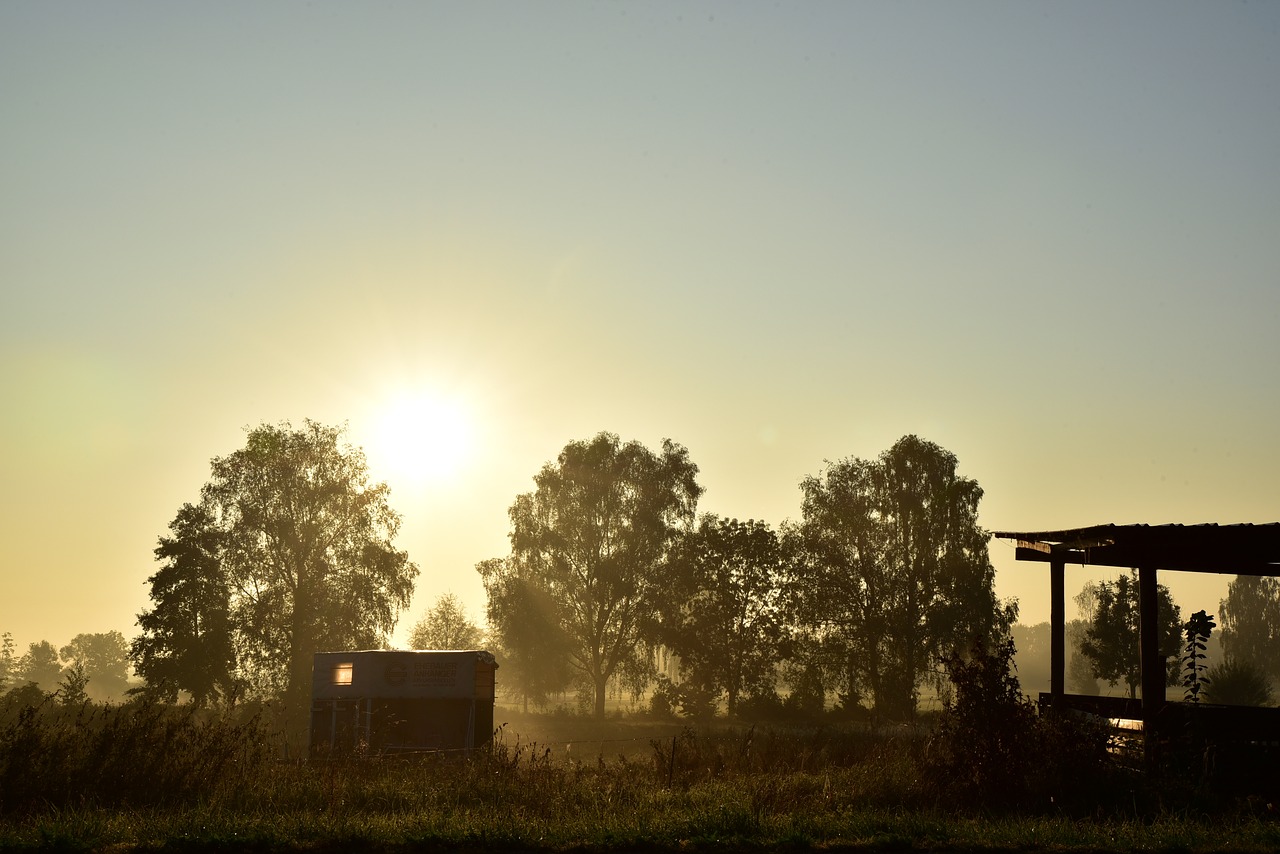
<point x="421" y="437"/>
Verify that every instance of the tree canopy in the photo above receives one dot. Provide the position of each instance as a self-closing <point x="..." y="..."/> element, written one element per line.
<point x="893" y="573"/>
<point x="8" y="661"/>
<point x="40" y="665"/>
<point x="592" y="538"/>
<point x="1251" y="624"/>
<point x="722" y="612"/>
<point x="187" y="640"/>
<point x="299" y="540"/>
<point x="1111" y="642"/>
<point x="103" y="658"/>
<point x="446" y="625"/>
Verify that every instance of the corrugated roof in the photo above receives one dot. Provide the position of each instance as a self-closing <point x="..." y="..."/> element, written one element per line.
<point x="1237" y="549"/>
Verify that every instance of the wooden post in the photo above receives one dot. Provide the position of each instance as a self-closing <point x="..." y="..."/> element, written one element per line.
<point x="1152" y="665"/>
<point x="1058" y="630"/>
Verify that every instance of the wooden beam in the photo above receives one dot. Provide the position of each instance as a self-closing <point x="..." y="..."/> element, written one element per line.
<point x="1040" y="556"/>
<point x="1057" y="630"/>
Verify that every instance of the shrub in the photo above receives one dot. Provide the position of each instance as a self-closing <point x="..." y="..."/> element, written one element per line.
<point x="991" y="749"/>
<point x="1238" y="683"/>
<point x="982" y="747"/>
<point x="765" y="706"/>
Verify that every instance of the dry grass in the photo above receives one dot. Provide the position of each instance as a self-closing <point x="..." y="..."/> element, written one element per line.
<point x="549" y="783"/>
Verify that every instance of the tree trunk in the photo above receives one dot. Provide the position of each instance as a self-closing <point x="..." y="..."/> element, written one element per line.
<point x="602" y="684"/>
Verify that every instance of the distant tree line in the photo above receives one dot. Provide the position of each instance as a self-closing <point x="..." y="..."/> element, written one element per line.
<point x="93" y="666"/>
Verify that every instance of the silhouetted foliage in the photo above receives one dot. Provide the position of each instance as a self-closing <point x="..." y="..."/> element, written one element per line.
<point x="1251" y="624"/>
<point x="991" y="749"/>
<point x="19" y="697"/>
<point x="1195" y="633"/>
<point x="720" y="608"/>
<point x="304" y="548"/>
<point x="1111" y="642"/>
<point x="693" y="698"/>
<point x="1238" y="683"/>
<point x="590" y="541"/>
<point x="984" y="743"/>
<point x="893" y="573"/>
<point x="186" y="642"/>
<point x="72" y="689"/>
<point x="445" y="625"/>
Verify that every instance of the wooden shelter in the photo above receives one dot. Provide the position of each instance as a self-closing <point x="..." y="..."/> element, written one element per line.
<point x="378" y="701"/>
<point x="1224" y="549"/>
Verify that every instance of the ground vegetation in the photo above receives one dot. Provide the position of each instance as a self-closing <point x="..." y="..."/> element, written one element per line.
<point x="148" y="775"/>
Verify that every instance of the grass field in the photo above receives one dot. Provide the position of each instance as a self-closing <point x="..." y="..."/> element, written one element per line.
<point x="165" y="780"/>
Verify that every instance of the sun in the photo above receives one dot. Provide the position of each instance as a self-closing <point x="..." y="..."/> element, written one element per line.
<point x="421" y="437"/>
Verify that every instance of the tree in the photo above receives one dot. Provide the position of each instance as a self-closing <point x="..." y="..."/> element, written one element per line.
<point x="8" y="662"/>
<point x="303" y="544"/>
<point x="72" y="690"/>
<point x="893" y="573"/>
<point x="593" y="536"/>
<point x="1080" y="677"/>
<point x="40" y="665"/>
<point x="103" y="659"/>
<point x="186" y="642"/>
<point x="1111" y="640"/>
<point x="526" y="633"/>
<point x="722" y="614"/>
<point x="446" y="626"/>
<point x="1251" y="624"/>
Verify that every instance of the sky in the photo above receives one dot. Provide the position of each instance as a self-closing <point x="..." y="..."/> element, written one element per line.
<point x="1045" y="236"/>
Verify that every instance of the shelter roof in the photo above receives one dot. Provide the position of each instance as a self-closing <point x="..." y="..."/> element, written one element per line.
<point x="1229" y="549"/>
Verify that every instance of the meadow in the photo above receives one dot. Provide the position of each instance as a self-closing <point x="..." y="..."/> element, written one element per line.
<point x="149" y="777"/>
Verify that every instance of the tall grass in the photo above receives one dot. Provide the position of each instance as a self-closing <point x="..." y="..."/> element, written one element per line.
<point x="152" y="776"/>
<point x="136" y="754"/>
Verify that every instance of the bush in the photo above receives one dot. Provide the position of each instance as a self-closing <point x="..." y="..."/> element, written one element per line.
<point x="991" y="749"/>
<point x="766" y="706"/>
<point x="983" y="744"/>
<point x="1238" y="683"/>
<point x="660" y="704"/>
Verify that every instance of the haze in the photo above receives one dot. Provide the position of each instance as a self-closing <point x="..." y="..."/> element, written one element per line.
<point x="1043" y="236"/>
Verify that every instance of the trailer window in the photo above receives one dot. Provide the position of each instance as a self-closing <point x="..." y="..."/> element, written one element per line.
<point x="342" y="673"/>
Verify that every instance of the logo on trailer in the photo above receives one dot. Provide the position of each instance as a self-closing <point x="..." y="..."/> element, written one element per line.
<point x="396" y="673"/>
